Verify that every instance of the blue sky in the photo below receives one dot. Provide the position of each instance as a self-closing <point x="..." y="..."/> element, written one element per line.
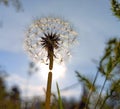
<point x="93" y="20"/>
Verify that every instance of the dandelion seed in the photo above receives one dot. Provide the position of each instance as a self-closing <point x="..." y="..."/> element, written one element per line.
<point x="48" y="36"/>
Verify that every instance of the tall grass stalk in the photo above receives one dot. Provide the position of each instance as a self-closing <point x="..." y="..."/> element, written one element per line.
<point x="59" y="97"/>
<point x="99" y="97"/>
<point x="91" y="91"/>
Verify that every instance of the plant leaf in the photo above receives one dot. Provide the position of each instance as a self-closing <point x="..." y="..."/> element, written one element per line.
<point x="59" y="97"/>
<point x="86" y="81"/>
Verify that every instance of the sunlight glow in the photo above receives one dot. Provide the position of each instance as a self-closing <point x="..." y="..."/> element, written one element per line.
<point x="58" y="70"/>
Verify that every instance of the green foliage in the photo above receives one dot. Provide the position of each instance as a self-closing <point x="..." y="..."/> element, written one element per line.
<point x="59" y="97"/>
<point x="8" y="99"/>
<point x="113" y="94"/>
<point x="5" y="2"/>
<point x="14" y="3"/>
<point x="110" y="59"/>
<point x="115" y="89"/>
<point x="3" y="92"/>
<point x="86" y="81"/>
<point x="115" y="7"/>
<point x="109" y="67"/>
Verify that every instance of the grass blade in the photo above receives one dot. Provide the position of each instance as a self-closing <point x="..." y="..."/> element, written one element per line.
<point x="59" y="97"/>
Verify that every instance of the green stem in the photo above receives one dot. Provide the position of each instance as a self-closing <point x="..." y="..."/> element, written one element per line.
<point x="59" y="97"/>
<point x="104" y="102"/>
<point x="101" y="92"/>
<point x="90" y="93"/>
<point x="48" y="93"/>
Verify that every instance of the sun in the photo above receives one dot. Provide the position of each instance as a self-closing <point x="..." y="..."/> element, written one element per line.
<point x="58" y="70"/>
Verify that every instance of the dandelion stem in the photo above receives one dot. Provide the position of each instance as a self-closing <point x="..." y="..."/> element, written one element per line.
<point x="49" y="82"/>
<point x="50" y="55"/>
<point x="48" y="93"/>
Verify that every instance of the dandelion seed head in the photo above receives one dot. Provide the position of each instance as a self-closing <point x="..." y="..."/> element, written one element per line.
<point x="49" y="32"/>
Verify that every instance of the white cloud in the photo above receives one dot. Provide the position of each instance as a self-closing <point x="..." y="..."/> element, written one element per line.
<point x="32" y="88"/>
<point x="16" y="79"/>
<point x="27" y="87"/>
<point x="72" y="93"/>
